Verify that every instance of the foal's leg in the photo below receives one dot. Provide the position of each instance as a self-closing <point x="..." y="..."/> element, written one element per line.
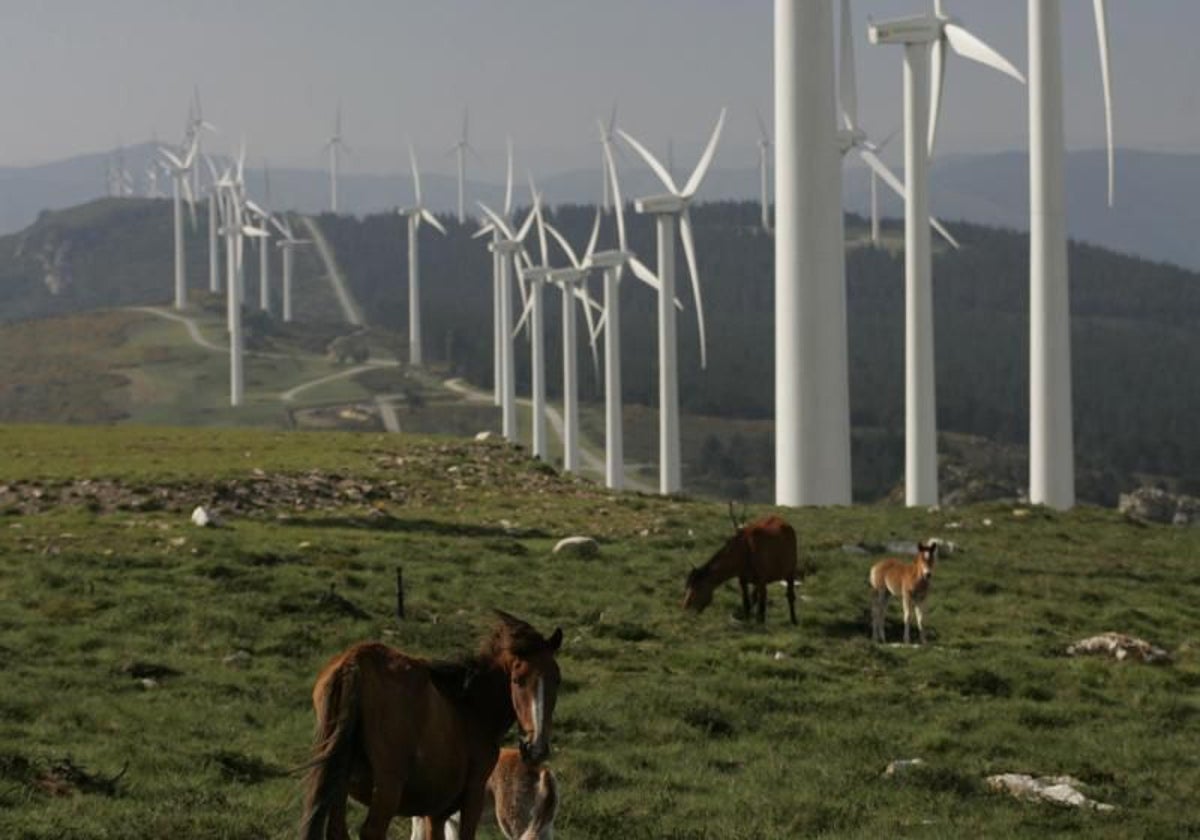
<point x="920" y="620"/>
<point x="791" y="596"/>
<point x="906" y="600"/>
<point x="879" y="601"/>
<point x="760" y="592"/>
<point x="472" y="809"/>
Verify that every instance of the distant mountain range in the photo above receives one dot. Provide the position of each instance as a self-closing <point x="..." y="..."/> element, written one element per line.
<point x="1155" y="216"/>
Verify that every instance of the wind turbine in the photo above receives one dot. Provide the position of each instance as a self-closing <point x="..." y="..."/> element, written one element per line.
<point x="414" y="215"/>
<point x="497" y="327"/>
<point x="534" y="279"/>
<point x="286" y="246"/>
<point x="196" y="126"/>
<point x="852" y="136"/>
<point x="264" y="263"/>
<point x="917" y="35"/>
<point x="460" y="149"/>
<point x="667" y="210"/>
<point x="332" y="145"/>
<point x="180" y="169"/>
<point x="572" y="283"/>
<point x="509" y="249"/>
<point x="764" y="154"/>
<point x="1051" y="434"/>
<point x="235" y="228"/>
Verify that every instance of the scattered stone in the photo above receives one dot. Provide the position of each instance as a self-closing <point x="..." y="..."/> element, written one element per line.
<point x="178" y="542"/>
<point x="900" y="766"/>
<point x="149" y="683"/>
<point x="66" y="778"/>
<point x="953" y="526"/>
<point x="1058" y="790"/>
<point x="238" y="659"/>
<point x="901" y="547"/>
<point x="579" y="546"/>
<point x="1020" y="513"/>
<point x="1152" y="504"/>
<point x="854" y="548"/>
<point x="779" y="655"/>
<point x="1120" y="647"/>
<point x="485" y="435"/>
<point x="202" y="518"/>
<point x="987" y="523"/>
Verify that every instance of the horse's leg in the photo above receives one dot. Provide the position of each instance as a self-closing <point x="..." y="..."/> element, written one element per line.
<point x="472" y="808"/>
<point x="920" y="620"/>
<point x="760" y="592"/>
<point x="336" y="829"/>
<point x="791" y="596"/>
<point x="418" y="829"/>
<point x="906" y="600"/>
<point x="745" y="584"/>
<point x="385" y="800"/>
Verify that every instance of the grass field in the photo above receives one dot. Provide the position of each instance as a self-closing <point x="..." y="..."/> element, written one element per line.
<point x="668" y="725"/>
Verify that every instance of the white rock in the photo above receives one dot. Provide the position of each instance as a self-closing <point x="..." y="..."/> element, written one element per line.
<point x="237" y="659"/>
<point x="484" y="435"/>
<point x="580" y="546"/>
<point x="1058" y="790"/>
<point x="201" y="517"/>
<point x="1119" y="646"/>
<point x="901" y="765"/>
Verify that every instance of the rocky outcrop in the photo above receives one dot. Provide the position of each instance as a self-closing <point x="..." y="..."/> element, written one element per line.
<point x="1153" y="504"/>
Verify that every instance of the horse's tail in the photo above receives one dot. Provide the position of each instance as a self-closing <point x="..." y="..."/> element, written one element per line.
<point x="545" y="806"/>
<point x="327" y="782"/>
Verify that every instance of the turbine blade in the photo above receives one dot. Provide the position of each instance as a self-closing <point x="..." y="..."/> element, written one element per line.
<point x="496" y="220"/>
<point x="172" y="159"/>
<point x="508" y="181"/>
<point x="412" y="160"/>
<point x="524" y="313"/>
<point x="541" y="223"/>
<point x="655" y="166"/>
<point x="969" y="46"/>
<point x="564" y="244"/>
<point x="937" y="80"/>
<point x="588" y="303"/>
<point x="762" y="127"/>
<point x="1106" y="80"/>
<point x="432" y="219"/>
<point x="847" y="88"/>
<point x="872" y="160"/>
<point x="591" y="246"/>
<point x="701" y="169"/>
<point x="945" y="234"/>
<point x="689" y="252"/>
<point x="524" y="229"/>
<point x="641" y="272"/>
<point x="618" y="204"/>
<point x="483" y="231"/>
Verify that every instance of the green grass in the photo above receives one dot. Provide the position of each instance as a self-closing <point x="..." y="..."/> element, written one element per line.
<point x="668" y="724"/>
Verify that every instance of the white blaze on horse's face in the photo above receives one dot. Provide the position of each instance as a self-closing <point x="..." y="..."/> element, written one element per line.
<point x="534" y="689"/>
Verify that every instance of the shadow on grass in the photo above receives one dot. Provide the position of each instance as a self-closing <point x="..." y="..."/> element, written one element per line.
<point x="392" y="524"/>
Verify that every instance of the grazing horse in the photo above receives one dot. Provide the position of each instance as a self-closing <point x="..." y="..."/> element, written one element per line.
<point x="407" y="736"/>
<point x="758" y="553"/>
<point x="908" y="580"/>
<point x="525" y="797"/>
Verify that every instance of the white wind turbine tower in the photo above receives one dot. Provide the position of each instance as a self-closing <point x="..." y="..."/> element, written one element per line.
<point x="414" y="216"/>
<point x="812" y="415"/>
<point x="180" y="170"/>
<point x="214" y="198"/>
<point x="497" y="235"/>
<point x="264" y="241"/>
<point x="508" y="247"/>
<point x="764" y="155"/>
<point x="460" y="149"/>
<point x="667" y="210"/>
<point x="1051" y="433"/>
<point x="918" y="35"/>
<point x="287" y="246"/>
<point x="333" y="145"/>
<point x="606" y="163"/>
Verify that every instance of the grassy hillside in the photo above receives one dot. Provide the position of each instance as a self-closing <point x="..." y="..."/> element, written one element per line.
<point x="668" y="725"/>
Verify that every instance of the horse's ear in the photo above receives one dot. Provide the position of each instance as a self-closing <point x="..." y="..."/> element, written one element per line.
<point x="555" y="640"/>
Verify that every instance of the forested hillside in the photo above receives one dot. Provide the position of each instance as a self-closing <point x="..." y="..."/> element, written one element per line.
<point x="1134" y="328"/>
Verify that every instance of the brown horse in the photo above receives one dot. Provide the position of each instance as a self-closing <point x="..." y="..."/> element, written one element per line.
<point x="406" y="736"/>
<point x="910" y="581"/>
<point x="758" y="553"/>
<point x="525" y="798"/>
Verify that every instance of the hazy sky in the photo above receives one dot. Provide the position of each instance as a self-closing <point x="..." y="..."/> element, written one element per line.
<point x="81" y="74"/>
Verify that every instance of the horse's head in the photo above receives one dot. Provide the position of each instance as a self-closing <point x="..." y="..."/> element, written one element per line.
<point x="699" y="591"/>
<point x="926" y="557"/>
<point x="533" y="677"/>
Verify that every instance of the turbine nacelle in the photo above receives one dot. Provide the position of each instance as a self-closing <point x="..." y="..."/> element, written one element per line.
<point x="923" y="29"/>
<point x="567" y="276"/>
<point x="609" y="259"/>
<point x="661" y="204"/>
